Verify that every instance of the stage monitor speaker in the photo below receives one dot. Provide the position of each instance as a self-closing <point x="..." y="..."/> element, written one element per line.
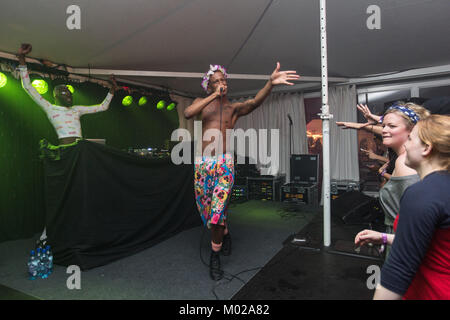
<point x="354" y="207"/>
<point x="304" y="168"/>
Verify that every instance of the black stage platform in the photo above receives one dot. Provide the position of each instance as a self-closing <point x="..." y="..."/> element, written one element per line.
<point x="305" y="269"/>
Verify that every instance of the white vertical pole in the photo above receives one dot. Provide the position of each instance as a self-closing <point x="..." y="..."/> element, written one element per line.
<point x="325" y="116"/>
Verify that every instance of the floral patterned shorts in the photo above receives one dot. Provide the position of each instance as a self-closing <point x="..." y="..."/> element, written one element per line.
<point x="214" y="178"/>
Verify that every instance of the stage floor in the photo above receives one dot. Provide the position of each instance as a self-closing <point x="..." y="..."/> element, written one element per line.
<point x="265" y="264"/>
<point x="172" y="269"/>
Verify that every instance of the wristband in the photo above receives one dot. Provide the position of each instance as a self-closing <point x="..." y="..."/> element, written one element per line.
<point x="384" y="238"/>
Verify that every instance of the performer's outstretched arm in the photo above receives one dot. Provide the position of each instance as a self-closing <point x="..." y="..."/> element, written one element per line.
<point x="278" y="77"/>
<point x="102" y="106"/>
<point x="95" y="108"/>
<point x="26" y="83"/>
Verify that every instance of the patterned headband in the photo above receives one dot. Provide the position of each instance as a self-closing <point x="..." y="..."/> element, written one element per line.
<point x="212" y="69"/>
<point x="407" y="111"/>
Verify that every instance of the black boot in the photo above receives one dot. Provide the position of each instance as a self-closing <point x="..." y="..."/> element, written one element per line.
<point x="226" y="245"/>
<point x="215" y="270"/>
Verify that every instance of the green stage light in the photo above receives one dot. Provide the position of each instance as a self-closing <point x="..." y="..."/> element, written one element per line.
<point x="3" y="80"/>
<point x="128" y="100"/>
<point x="171" y="106"/>
<point x="71" y="89"/>
<point x="142" y="101"/>
<point x="161" y="104"/>
<point x="40" y="85"/>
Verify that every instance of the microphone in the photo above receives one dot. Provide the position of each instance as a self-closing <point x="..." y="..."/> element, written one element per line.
<point x="290" y="119"/>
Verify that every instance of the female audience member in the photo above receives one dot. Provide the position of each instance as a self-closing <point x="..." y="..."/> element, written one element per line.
<point x="419" y="263"/>
<point x="397" y="123"/>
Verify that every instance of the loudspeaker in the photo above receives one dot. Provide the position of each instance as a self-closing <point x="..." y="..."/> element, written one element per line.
<point x="354" y="207"/>
<point x="304" y="168"/>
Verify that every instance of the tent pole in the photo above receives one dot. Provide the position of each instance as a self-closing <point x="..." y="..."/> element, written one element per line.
<point x="325" y="116"/>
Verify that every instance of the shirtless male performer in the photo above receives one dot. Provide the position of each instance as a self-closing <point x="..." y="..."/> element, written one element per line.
<point x="214" y="173"/>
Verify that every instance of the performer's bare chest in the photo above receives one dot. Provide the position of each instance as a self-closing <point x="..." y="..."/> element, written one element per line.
<point x="213" y="113"/>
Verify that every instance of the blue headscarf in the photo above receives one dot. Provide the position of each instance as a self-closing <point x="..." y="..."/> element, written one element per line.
<point x="407" y="111"/>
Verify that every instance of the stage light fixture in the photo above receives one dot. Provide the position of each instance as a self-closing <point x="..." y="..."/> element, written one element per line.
<point x="71" y="89"/>
<point x="127" y="101"/>
<point x="161" y="104"/>
<point x="171" y="106"/>
<point x="142" y="101"/>
<point x="3" y="80"/>
<point x="40" y="85"/>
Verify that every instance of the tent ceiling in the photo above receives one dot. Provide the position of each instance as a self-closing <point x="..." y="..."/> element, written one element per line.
<point x="188" y="35"/>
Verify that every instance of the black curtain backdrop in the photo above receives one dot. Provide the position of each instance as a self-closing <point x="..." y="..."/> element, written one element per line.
<point x="103" y="204"/>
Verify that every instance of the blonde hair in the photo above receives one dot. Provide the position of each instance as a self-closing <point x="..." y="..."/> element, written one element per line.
<point x="420" y="111"/>
<point x="435" y="131"/>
